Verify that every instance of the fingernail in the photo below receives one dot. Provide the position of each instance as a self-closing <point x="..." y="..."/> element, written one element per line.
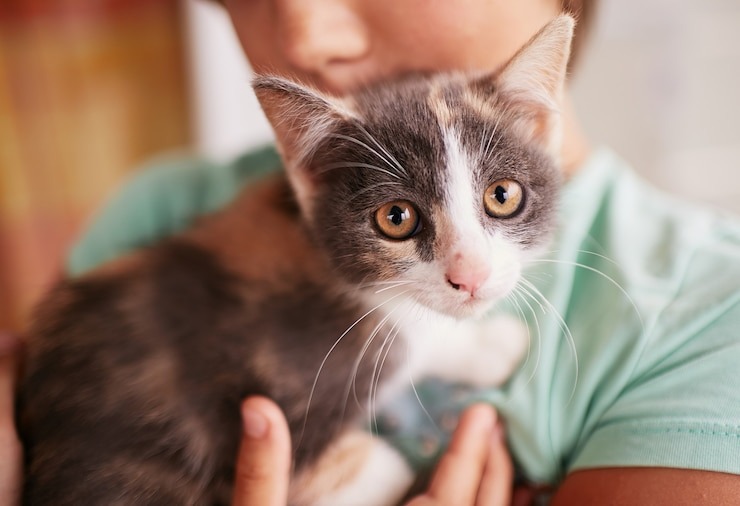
<point x="485" y="416"/>
<point x="255" y="424"/>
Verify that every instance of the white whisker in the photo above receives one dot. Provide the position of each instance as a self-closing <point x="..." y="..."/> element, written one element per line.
<point x="364" y="145"/>
<point x="374" y="392"/>
<point x="563" y="326"/>
<point x="326" y="357"/>
<point x="416" y="392"/>
<point x="539" y="338"/>
<point x="522" y="318"/>
<point x="357" y="165"/>
<point x="603" y="275"/>
<point x="391" y="287"/>
<point x="352" y="383"/>
<point x="383" y="149"/>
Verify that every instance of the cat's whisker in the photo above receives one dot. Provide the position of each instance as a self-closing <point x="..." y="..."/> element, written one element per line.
<point x="352" y="383"/>
<point x="527" y="286"/>
<point x="357" y="165"/>
<point x="487" y="152"/>
<point x="373" y="188"/>
<point x="539" y="336"/>
<point x="374" y="391"/>
<point x="326" y="357"/>
<point x="391" y="287"/>
<point x="363" y="144"/>
<point x="511" y="297"/>
<point x="413" y="385"/>
<point x="381" y="286"/>
<point x="585" y="252"/>
<point x="383" y="282"/>
<point x="383" y="149"/>
<point x="519" y="287"/>
<point x="603" y="275"/>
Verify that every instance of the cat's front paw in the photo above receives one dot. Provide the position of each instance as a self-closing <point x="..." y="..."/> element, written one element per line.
<point x="479" y="353"/>
<point x="357" y="470"/>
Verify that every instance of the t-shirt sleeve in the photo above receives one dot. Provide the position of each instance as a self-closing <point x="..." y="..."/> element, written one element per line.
<point x="681" y="408"/>
<point x="160" y="200"/>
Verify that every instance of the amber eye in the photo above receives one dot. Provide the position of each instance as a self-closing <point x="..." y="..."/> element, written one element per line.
<point x="398" y="219"/>
<point x="503" y="198"/>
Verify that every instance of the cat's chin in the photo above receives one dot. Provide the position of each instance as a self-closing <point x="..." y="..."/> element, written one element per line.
<point x="470" y="309"/>
<point x="402" y="302"/>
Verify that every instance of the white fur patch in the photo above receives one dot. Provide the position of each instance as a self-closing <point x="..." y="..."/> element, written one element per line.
<point x="383" y="480"/>
<point x="462" y="204"/>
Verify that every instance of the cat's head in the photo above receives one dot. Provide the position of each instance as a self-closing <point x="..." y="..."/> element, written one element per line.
<point x="442" y="183"/>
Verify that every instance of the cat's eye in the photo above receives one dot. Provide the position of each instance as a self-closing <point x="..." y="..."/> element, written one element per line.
<point x="398" y="220"/>
<point x="503" y="198"/>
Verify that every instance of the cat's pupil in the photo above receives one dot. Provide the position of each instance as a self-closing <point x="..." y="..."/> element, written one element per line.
<point x="398" y="215"/>
<point x="501" y="194"/>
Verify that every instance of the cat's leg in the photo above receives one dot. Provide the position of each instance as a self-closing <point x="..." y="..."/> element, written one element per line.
<point x="480" y="353"/>
<point x="357" y="470"/>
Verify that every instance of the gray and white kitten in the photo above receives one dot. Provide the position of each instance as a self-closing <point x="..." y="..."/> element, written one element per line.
<point x="405" y="212"/>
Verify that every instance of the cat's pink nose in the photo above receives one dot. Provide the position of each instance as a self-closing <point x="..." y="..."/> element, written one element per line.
<point x="467" y="274"/>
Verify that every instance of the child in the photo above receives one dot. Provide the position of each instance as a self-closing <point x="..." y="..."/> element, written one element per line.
<point x="641" y="404"/>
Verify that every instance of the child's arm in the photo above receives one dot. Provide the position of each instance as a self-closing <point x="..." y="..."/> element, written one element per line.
<point x="653" y="486"/>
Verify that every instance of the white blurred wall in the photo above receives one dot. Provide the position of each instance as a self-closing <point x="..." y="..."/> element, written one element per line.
<point x="228" y="117"/>
<point x="659" y="82"/>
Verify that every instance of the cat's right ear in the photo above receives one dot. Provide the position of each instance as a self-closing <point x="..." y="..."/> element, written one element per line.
<point x="533" y="82"/>
<point x="300" y="117"/>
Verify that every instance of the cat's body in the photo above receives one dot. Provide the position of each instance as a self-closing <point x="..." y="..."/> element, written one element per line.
<point x="405" y="208"/>
<point x="174" y="334"/>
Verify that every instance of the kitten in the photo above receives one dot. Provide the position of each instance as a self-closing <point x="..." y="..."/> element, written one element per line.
<point x="406" y="211"/>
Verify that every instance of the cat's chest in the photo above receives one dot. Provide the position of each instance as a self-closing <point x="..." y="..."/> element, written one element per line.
<point x="480" y="352"/>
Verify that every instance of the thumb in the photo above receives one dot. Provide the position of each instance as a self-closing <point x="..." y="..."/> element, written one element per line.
<point x="11" y="464"/>
<point x="264" y="459"/>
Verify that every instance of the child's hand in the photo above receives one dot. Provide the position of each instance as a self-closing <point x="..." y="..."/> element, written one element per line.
<point x="10" y="447"/>
<point x="263" y="463"/>
<point x="475" y="470"/>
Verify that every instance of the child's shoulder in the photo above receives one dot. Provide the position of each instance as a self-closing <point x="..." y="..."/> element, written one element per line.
<point x="661" y="242"/>
<point x="162" y="199"/>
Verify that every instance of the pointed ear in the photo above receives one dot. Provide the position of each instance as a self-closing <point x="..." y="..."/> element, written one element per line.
<point x="298" y="115"/>
<point x="533" y="82"/>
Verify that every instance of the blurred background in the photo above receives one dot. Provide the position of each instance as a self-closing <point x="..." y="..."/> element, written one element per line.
<point x="89" y="89"/>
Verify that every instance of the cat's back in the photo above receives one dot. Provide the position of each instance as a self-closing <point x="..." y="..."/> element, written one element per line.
<point x="111" y="402"/>
<point x="134" y="372"/>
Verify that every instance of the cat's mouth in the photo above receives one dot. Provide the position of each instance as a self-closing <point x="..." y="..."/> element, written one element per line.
<point x="457" y="305"/>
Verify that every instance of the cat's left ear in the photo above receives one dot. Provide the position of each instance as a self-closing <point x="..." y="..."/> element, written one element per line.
<point x="533" y="82"/>
<point x="300" y="117"/>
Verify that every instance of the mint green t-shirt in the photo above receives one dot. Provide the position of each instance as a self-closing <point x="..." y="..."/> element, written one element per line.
<point x="634" y="356"/>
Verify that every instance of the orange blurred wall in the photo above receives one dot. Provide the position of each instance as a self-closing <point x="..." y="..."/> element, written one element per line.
<point x="88" y="89"/>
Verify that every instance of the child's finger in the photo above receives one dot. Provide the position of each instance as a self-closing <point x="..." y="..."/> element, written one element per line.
<point x="263" y="463"/>
<point x="459" y="471"/>
<point x="498" y="477"/>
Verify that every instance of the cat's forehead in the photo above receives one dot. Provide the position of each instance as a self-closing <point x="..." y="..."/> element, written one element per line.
<point x="421" y="120"/>
<point x="418" y="103"/>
